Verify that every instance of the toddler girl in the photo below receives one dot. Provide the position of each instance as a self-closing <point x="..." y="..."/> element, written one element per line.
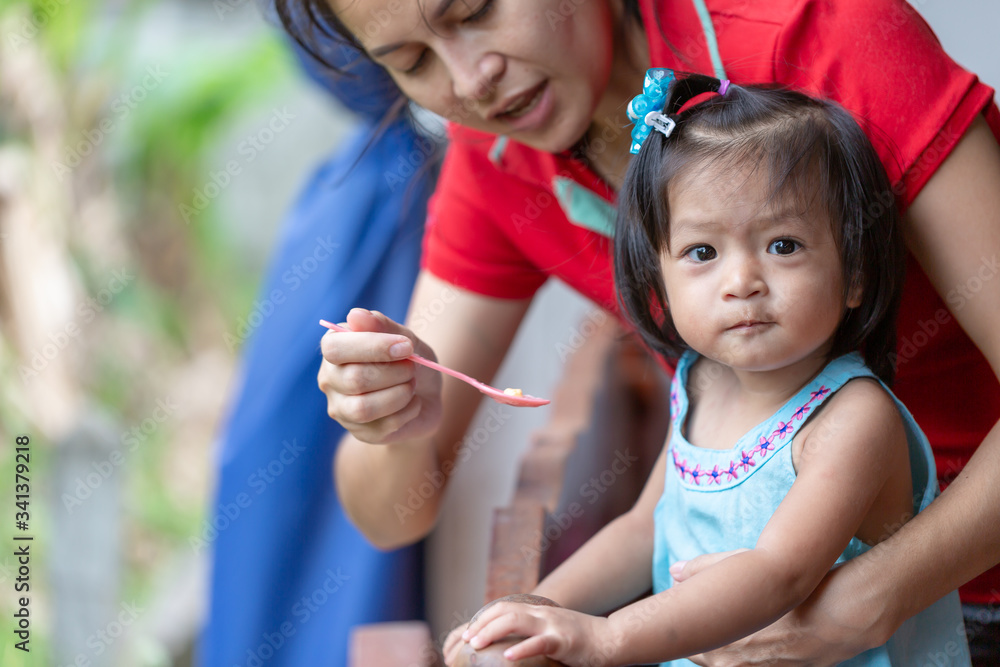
<point x="746" y="248"/>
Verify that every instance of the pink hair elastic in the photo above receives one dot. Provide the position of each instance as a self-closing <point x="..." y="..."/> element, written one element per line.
<point x="723" y="86"/>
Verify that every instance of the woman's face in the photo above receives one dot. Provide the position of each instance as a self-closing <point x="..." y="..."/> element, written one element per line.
<point x="534" y="70"/>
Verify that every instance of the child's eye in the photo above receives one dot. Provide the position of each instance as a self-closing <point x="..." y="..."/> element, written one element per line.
<point x="783" y="247"/>
<point x="480" y="13"/>
<point x="701" y="253"/>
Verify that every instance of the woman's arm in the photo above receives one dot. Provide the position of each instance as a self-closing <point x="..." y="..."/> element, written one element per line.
<point x="953" y="230"/>
<point x="952" y="225"/>
<point x="856" y="445"/>
<point x="417" y="421"/>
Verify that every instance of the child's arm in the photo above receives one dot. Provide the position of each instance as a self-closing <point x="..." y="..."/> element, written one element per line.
<point x="611" y="569"/>
<point x="857" y="444"/>
<point x="614" y="566"/>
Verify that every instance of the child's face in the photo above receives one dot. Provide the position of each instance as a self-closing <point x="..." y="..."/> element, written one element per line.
<point x="752" y="285"/>
<point x="545" y="62"/>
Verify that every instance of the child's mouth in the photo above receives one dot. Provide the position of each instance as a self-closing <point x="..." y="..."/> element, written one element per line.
<point x="749" y="325"/>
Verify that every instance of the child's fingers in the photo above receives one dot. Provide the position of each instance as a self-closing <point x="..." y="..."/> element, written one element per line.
<point x="451" y="655"/>
<point x="452" y="645"/>
<point x="485" y="615"/>
<point x="513" y="623"/>
<point x="529" y="648"/>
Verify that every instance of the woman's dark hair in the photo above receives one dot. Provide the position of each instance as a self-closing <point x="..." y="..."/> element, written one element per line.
<point x="812" y="152"/>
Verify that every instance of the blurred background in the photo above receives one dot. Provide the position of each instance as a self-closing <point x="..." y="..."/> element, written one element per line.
<point x="148" y="151"/>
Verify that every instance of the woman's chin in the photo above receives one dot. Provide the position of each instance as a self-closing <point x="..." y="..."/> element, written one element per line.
<point x="558" y="141"/>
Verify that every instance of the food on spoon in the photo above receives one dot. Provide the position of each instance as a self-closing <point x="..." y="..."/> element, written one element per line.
<point x="513" y="392"/>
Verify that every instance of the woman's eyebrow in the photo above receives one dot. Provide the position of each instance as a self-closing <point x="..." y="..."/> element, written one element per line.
<point x="442" y="9"/>
<point x="384" y="50"/>
<point x="380" y="51"/>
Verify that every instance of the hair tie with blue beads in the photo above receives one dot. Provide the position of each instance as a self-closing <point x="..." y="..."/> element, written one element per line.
<point x="646" y="109"/>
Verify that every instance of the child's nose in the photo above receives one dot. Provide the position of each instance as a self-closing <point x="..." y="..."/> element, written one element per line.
<point x="744" y="279"/>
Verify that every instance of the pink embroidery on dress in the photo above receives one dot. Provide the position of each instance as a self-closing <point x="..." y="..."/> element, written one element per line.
<point x="746" y="461"/>
<point x="696" y="473"/>
<point x="801" y="412"/>
<point x="714" y="474"/>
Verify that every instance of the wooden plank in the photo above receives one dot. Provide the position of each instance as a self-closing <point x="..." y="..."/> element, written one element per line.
<point x="574" y="403"/>
<point x="404" y="644"/>
<point x="514" y="550"/>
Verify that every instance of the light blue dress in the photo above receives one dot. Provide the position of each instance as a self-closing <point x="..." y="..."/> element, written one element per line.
<point x="719" y="500"/>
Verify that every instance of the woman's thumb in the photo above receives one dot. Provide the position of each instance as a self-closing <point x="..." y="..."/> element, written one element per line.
<point x="685" y="569"/>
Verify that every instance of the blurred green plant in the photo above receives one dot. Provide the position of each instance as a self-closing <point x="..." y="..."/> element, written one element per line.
<point x="148" y="157"/>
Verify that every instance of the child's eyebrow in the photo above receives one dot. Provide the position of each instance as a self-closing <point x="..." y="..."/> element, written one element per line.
<point x="697" y="223"/>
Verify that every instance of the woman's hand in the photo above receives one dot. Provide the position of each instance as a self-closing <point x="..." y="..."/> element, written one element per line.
<point x="371" y="389"/>
<point x="828" y="628"/>
<point x="570" y="637"/>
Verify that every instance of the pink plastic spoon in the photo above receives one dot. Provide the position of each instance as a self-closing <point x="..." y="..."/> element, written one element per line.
<point x="497" y="395"/>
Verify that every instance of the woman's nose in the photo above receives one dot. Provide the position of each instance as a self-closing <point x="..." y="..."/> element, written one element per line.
<point x="475" y="75"/>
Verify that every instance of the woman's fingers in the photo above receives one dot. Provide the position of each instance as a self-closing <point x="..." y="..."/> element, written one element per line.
<point x="373" y="321"/>
<point x="371" y="388"/>
<point x="345" y="347"/>
<point x="373" y="338"/>
<point x="355" y="379"/>
<point x="381" y="430"/>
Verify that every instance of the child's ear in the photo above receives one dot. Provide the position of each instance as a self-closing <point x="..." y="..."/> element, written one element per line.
<point x="854" y="295"/>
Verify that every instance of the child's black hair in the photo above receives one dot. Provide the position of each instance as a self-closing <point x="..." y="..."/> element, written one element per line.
<point x="811" y="151"/>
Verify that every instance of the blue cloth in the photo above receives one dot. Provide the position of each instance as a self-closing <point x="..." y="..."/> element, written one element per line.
<point x="359" y="84"/>
<point x="290" y="574"/>
<point x="719" y="500"/>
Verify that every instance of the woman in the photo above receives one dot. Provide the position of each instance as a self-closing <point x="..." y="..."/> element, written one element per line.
<point x="554" y="77"/>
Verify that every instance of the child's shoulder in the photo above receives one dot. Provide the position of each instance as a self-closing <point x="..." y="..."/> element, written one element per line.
<point x="858" y="438"/>
<point x="859" y="415"/>
<point x="864" y="396"/>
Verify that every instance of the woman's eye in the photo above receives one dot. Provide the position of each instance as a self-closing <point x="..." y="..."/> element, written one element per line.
<point x="701" y="253"/>
<point x="480" y="13"/>
<point x="418" y="64"/>
<point x="783" y="247"/>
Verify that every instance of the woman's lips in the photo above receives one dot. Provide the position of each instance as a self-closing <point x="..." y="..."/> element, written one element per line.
<point x="531" y="114"/>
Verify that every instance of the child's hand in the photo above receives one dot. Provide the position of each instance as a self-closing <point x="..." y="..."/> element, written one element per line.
<point x="371" y="389"/>
<point x="568" y="636"/>
<point x="453" y="644"/>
